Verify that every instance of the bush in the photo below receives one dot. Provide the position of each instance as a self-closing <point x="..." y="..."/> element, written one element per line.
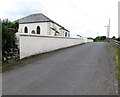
<point x="100" y="38"/>
<point x="8" y="36"/>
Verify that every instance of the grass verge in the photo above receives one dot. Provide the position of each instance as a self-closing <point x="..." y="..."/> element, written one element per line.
<point x="116" y="53"/>
<point x="10" y="65"/>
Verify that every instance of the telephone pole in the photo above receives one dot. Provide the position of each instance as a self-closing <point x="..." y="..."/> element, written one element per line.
<point x="108" y="29"/>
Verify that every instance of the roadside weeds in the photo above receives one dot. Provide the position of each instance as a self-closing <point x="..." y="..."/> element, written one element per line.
<point x="116" y="54"/>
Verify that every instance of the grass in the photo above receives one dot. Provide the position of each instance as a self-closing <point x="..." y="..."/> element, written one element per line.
<point x="12" y="64"/>
<point x="0" y="67"/>
<point x="116" y="54"/>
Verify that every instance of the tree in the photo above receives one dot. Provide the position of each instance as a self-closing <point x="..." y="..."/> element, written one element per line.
<point x="8" y="36"/>
<point x="113" y="37"/>
<point x="118" y="39"/>
<point x="100" y="38"/>
<point x="90" y="38"/>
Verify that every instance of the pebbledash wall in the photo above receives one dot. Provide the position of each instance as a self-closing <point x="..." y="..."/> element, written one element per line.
<point x="34" y="44"/>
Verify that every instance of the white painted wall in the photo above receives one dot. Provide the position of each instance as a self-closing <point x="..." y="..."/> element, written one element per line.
<point x="45" y="29"/>
<point x="33" y="26"/>
<point x="89" y="40"/>
<point x="55" y="26"/>
<point x="34" y="44"/>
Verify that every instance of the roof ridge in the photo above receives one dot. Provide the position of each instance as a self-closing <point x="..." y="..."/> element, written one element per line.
<point x="46" y="17"/>
<point x="37" y="17"/>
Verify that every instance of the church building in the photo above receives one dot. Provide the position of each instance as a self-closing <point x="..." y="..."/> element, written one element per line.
<point x="39" y="24"/>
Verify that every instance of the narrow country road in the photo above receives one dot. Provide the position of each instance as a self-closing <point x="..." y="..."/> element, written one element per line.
<point x="86" y="69"/>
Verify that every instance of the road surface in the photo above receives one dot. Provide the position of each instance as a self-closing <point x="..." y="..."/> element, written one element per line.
<point x="86" y="69"/>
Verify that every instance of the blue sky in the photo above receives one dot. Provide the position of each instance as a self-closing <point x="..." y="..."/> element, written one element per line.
<point x="82" y="17"/>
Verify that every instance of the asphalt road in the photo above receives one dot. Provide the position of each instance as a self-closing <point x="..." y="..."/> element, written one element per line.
<point x="86" y="69"/>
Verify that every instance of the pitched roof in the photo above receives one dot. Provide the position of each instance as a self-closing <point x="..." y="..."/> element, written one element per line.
<point x="35" y="18"/>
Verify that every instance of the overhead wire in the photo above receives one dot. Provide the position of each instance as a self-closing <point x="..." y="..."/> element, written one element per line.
<point x="84" y="13"/>
<point x="92" y="19"/>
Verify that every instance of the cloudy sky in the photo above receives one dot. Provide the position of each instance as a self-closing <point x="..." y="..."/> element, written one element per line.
<point x="81" y="17"/>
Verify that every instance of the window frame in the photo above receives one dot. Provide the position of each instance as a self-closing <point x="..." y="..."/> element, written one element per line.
<point x="25" y="29"/>
<point x="38" y="30"/>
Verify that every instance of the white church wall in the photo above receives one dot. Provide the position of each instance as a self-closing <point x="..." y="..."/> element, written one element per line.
<point x="34" y="44"/>
<point x="45" y="28"/>
<point x="32" y="26"/>
<point x="58" y="28"/>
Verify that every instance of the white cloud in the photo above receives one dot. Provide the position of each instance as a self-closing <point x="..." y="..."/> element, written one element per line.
<point x="84" y="17"/>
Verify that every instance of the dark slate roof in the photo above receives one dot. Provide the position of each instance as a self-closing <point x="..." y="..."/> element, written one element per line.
<point x="35" y="18"/>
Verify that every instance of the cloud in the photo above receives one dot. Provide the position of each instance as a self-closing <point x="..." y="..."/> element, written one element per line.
<point x="85" y="17"/>
<point x="17" y="9"/>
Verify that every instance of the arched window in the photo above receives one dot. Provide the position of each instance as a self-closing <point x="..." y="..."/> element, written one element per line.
<point x="65" y="34"/>
<point x="25" y="30"/>
<point x="33" y="31"/>
<point x="38" y="30"/>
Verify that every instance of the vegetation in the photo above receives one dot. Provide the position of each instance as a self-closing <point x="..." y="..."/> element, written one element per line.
<point x="6" y="66"/>
<point x="118" y="39"/>
<point x="8" y="38"/>
<point x="100" y="38"/>
<point x="117" y="61"/>
<point x="115" y="50"/>
<point x="90" y="38"/>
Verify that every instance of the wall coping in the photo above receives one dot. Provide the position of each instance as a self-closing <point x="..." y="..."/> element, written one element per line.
<point x="32" y="35"/>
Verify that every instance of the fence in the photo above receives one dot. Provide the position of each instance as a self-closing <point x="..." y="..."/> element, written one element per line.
<point x="116" y="43"/>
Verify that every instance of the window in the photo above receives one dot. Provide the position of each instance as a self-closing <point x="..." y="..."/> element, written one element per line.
<point x="33" y="32"/>
<point x="65" y="34"/>
<point x="38" y="30"/>
<point x="25" y="30"/>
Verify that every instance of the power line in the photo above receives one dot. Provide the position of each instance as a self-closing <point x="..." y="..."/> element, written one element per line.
<point x="112" y="7"/>
<point x="99" y="25"/>
<point x="84" y="13"/>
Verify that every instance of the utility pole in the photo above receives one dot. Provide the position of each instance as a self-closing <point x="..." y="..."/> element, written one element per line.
<point x="108" y="29"/>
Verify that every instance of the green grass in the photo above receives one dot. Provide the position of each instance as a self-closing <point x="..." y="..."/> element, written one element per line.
<point x="116" y="54"/>
<point x="0" y="67"/>
<point x="12" y="64"/>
